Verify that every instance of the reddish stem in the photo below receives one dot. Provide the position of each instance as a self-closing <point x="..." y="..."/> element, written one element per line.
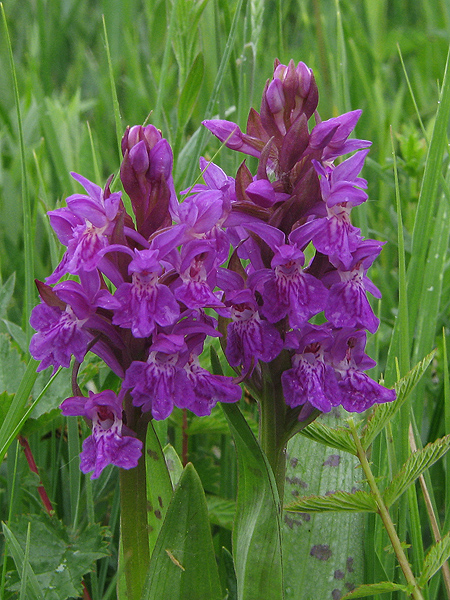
<point x="33" y="467"/>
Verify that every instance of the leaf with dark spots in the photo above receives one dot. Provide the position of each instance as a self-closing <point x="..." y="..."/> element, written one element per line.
<point x="321" y="552"/>
<point x="332" y="461"/>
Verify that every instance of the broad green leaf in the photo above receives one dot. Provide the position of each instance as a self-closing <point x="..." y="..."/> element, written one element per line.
<point x="416" y="464"/>
<point x="338" y="438"/>
<point x="221" y="511"/>
<point x="59" y="558"/>
<point x="183" y="564"/>
<point x="12" y="368"/>
<point x="330" y="545"/>
<point x="383" y="413"/>
<point x="373" y="589"/>
<point x="18" y="555"/>
<point x="159" y="485"/>
<point x="230" y="574"/>
<point x="434" y="560"/>
<point x="358" y="501"/>
<point x="191" y="89"/>
<point x="257" y="531"/>
<point x="173" y="463"/>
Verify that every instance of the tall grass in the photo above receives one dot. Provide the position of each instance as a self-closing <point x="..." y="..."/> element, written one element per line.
<point x="83" y="71"/>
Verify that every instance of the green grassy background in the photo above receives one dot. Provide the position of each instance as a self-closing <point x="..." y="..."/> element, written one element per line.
<point x="175" y="63"/>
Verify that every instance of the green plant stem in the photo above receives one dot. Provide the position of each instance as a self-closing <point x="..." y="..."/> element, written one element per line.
<point x="271" y="432"/>
<point x="134" y="528"/>
<point x="386" y="518"/>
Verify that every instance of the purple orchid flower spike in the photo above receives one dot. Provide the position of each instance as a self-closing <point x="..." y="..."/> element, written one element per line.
<point x="107" y="445"/>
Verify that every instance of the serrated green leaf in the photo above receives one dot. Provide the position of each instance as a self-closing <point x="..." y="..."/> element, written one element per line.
<point x="221" y="511"/>
<point x="358" y="501"/>
<point x="58" y="558"/>
<point x="416" y="464"/>
<point x="6" y="294"/>
<point x="159" y="485"/>
<point x="257" y="529"/>
<point x="373" y="589"/>
<point x="434" y="560"/>
<point x="17" y="334"/>
<point x="339" y="438"/>
<point x="191" y="89"/>
<point x="12" y="367"/>
<point x="18" y="555"/>
<point x="183" y="564"/>
<point x="383" y="413"/>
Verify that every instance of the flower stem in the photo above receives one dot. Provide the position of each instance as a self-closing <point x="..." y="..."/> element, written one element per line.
<point x="385" y="517"/>
<point x="134" y="528"/>
<point x="271" y="432"/>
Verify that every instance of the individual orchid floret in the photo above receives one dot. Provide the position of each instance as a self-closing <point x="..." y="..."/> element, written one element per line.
<point x="146" y="174"/>
<point x="333" y="235"/>
<point x="287" y="289"/>
<point x="347" y="304"/>
<point x="311" y="379"/>
<point x="229" y="132"/>
<point x="249" y="338"/>
<point x="206" y="389"/>
<point x="358" y="391"/>
<point x="107" y="444"/>
<point x="160" y="383"/>
<point x="66" y="323"/>
<point x="145" y="302"/>
<point x="197" y="275"/>
<point x="85" y="227"/>
<point x="332" y="136"/>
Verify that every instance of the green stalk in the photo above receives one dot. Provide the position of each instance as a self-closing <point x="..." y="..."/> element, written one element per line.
<point x="271" y="430"/>
<point x="385" y="517"/>
<point x="133" y="528"/>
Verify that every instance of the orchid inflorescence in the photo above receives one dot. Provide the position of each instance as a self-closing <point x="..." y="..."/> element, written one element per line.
<point x="234" y="245"/>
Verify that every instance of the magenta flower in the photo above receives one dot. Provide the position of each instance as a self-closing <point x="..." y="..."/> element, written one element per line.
<point x="107" y="443"/>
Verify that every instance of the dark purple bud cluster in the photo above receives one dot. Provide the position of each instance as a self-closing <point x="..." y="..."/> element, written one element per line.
<point x="269" y="253"/>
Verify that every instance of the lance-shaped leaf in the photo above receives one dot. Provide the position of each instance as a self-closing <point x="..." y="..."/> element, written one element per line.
<point x="416" y="464"/>
<point x="183" y="564"/>
<point x="174" y="465"/>
<point x="338" y="438"/>
<point x="434" y="560"/>
<point x="358" y="501"/>
<point x="257" y="528"/>
<point x="159" y="485"/>
<point x="383" y="413"/>
<point x="374" y="589"/>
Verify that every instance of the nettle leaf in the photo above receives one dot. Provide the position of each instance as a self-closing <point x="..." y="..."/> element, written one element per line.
<point x="373" y="589"/>
<point x="59" y="559"/>
<point x="12" y="368"/>
<point x="416" y="464"/>
<point x="6" y="294"/>
<point x="358" y="501"/>
<point x="22" y="563"/>
<point x="338" y="438"/>
<point x="434" y="560"/>
<point x="383" y="413"/>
